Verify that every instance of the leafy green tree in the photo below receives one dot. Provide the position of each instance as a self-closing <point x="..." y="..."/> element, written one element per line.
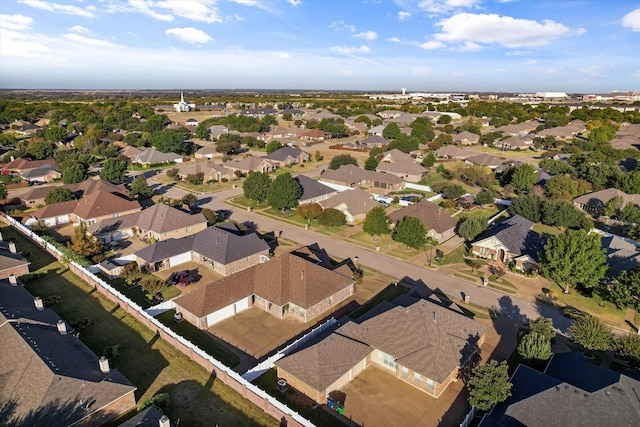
<point x="391" y="131"/>
<point x="3" y="191"/>
<point x="140" y="189"/>
<point x="317" y="156"/>
<point x="74" y="173"/>
<point x="331" y="217"/>
<point x="411" y="232"/>
<point x="202" y="131"/>
<point x="625" y="292"/>
<point x="342" y="159"/>
<point x="528" y="206"/>
<point x="153" y="285"/>
<point x="489" y="384"/>
<point x="39" y="150"/>
<point x="308" y="211"/>
<point x="376" y="223"/>
<point x="55" y="134"/>
<point x="627" y="347"/>
<point x="429" y="160"/>
<point x="563" y="214"/>
<point x="371" y="163"/>
<point x="114" y="170"/>
<point x="189" y="199"/>
<point x="630" y="214"/>
<point x="273" y="146"/>
<point x="534" y="347"/>
<point x="266" y="123"/>
<point x="174" y="174"/>
<point x="613" y="207"/>
<point x="284" y="192"/>
<point x="195" y="178"/>
<point x="167" y="141"/>
<point x="155" y="123"/>
<point x="453" y="191"/>
<point x="574" y="258"/>
<point x="590" y="333"/>
<point x="131" y="273"/>
<point x="444" y="119"/>
<point x="542" y="326"/>
<point x="58" y="195"/>
<point x="485" y="197"/>
<point x="561" y="187"/>
<point x="84" y="244"/>
<point x="256" y="186"/>
<point x="472" y="227"/>
<point x="522" y="177"/>
<point x="210" y="215"/>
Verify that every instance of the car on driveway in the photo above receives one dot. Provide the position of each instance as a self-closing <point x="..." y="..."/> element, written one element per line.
<point x="175" y="278"/>
<point x="187" y="280"/>
<point x="574" y="313"/>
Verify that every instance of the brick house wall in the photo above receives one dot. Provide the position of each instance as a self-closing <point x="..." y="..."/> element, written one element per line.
<point x="111" y="411"/>
<point x="91" y="221"/>
<point x="16" y="271"/>
<point x="235" y="266"/>
<point x="330" y="302"/>
<point x="180" y="232"/>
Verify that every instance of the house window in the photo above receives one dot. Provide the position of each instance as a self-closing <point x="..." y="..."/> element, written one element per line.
<point x="389" y="360"/>
<point x="264" y="258"/>
<point x="430" y="384"/>
<point x="405" y="372"/>
<point x="331" y="299"/>
<point x="116" y="215"/>
<point x="188" y="229"/>
<point x="417" y="378"/>
<point x="91" y="221"/>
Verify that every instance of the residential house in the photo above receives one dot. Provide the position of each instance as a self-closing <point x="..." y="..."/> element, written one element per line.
<point x="36" y="195"/>
<point x="571" y="391"/>
<point x="287" y="286"/>
<point x="129" y="151"/>
<point x="354" y="204"/>
<point x="49" y="376"/>
<point x="112" y="268"/>
<point x="20" y="166"/>
<point x="466" y="138"/>
<point x="313" y="135"/>
<point x="512" y="240"/>
<point x="595" y="202"/>
<point x="565" y="132"/>
<point x="376" y="130"/>
<point x="158" y="222"/>
<point x="191" y="122"/>
<point x="312" y="190"/>
<point x="251" y="164"/>
<point x="216" y="131"/>
<point x="487" y="160"/>
<point x="208" y="152"/>
<point x="218" y="172"/>
<point x="353" y="176"/>
<point x="519" y="129"/>
<point x="622" y="254"/>
<point x="258" y="113"/>
<point x="222" y="248"/>
<point x="374" y="141"/>
<point x="455" y="152"/>
<point x="45" y="173"/>
<point x="90" y="209"/>
<point x="439" y="225"/>
<point x="151" y="156"/>
<point x="287" y="156"/>
<point x="401" y="165"/>
<point x="417" y="342"/>
<point x="514" y="143"/>
<point x="12" y="263"/>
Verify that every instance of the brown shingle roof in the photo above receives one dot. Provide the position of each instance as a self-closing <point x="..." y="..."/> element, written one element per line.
<point x="281" y="280"/>
<point x="425" y="337"/>
<point x="102" y="203"/>
<point x="357" y="201"/>
<point x="431" y="215"/>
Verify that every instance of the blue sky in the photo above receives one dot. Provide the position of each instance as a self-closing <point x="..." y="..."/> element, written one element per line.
<point x="578" y="46"/>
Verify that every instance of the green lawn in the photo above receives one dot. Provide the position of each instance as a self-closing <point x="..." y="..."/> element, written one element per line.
<point x="366" y="241"/>
<point x="301" y="404"/>
<point x="389" y="293"/>
<point x="547" y="230"/>
<point x="199" y="338"/>
<point x="153" y="365"/>
<point x="486" y="212"/>
<point x="456" y="256"/>
<point x="608" y="312"/>
<point x="137" y="294"/>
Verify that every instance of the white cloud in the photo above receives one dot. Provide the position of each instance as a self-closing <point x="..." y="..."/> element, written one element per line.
<point x="430" y="45"/>
<point x="632" y="20"/>
<point x="503" y="30"/>
<point x="470" y="47"/>
<point x="350" y="50"/>
<point x="367" y="35"/>
<point x="284" y="55"/>
<point x="403" y="16"/>
<point x="190" y="35"/>
<point x="394" y="40"/>
<point x="529" y="62"/>
<point x="88" y="41"/>
<point x="79" y="29"/>
<point x="142" y="7"/>
<point x="342" y="26"/>
<point x="294" y="3"/>
<point x="443" y="6"/>
<point x="60" y="8"/>
<point x="518" y="52"/>
<point x="15" y="22"/>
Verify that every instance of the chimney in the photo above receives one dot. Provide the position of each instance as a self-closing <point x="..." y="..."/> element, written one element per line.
<point x="164" y="421"/>
<point x="62" y="327"/>
<point x="12" y="247"/>
<point x="104" y="365"/>
<point x="12" y="158"/>
<point x="39" y="304"/>
<point x="12" y="280"/>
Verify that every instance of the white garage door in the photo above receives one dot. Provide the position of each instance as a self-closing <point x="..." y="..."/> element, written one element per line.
<point x="179" y="259"/>
<point x="242" y="305"/>
<point x="63" y="219"/>
<point x="50" y="222"/>
<point x="221" y="314"/>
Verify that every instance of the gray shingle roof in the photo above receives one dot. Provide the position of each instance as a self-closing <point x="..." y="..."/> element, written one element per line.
<point x="283" y="153"/>
<point x="516" y="234"/>
<point x="312" y="188"/>
<point x="357" y="201"/>
<point x="432" y="216"/>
